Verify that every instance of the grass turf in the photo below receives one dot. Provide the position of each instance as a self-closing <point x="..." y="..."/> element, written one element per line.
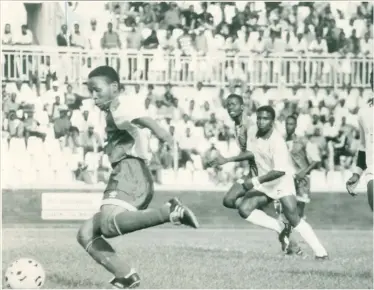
<point x="205" y="258"/>
<point x="226" y="252"/>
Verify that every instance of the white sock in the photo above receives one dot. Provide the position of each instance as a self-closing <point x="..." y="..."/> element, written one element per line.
<point x="307" y="233"/>
<point x="260" y="218"/>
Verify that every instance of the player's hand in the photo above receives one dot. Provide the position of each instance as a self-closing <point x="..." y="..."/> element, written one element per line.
<point x="218" y="161"/>
<point x="352" y="183"/>
<point x="299" y="176"/>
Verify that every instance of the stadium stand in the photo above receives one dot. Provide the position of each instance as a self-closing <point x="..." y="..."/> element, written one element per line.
<point x="183" y="59"/>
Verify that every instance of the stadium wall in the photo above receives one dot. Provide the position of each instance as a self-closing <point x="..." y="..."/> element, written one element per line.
<point x="66" y="207"/>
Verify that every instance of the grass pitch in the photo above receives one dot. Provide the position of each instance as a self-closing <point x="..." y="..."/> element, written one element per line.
<point x="205" y="258"/>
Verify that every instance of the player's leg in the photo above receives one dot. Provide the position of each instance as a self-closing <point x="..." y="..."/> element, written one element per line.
<point x="131" y="187"/>
<point x="235" y="192"/>
<point x="249" y="210"/>
<point x="90" y="238"/>
<point x="370" y="189"/>
<point x="289" y="205"/>
<point x="302" y="195"/>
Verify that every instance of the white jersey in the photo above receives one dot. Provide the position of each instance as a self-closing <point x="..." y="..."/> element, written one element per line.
<point x="272" y="154"/>
<point x="365" y="122"/>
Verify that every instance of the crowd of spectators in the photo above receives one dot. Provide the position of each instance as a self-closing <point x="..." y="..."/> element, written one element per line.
<point x="49" y="124"/>
<point x="203" y="27"/>
<point x="69" y="122"/>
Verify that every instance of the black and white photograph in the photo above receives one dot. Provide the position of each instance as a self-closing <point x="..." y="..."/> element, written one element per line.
<point x="187" y="144"/>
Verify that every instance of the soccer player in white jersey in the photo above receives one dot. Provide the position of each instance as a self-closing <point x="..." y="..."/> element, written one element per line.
<point x="365" y="158"/>
<point x="274" y="182"/>
<point x="124" y="208"/>
<point x="234" y="197"/>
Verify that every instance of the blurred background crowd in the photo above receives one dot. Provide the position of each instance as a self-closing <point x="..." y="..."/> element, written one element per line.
<point x="182" y="59"/>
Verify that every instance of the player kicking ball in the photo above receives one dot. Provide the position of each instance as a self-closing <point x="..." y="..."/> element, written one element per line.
<point x="275" y="182"/>
<point x="365" y="157"/>
<point x="235" y="196"/>
<point x="130" y="187"/>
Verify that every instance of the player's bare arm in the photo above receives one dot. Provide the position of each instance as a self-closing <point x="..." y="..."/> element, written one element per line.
<point x="255" y="182"/>
<point x="155" y="128"/>
<point x="306" y="171"/>
<point x="242" y="156"/>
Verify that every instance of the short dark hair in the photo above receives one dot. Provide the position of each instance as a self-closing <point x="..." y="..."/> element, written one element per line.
<point x="293" y="117"/>
<point x="105" y="71"/>
<point x="268" y="109"/>
<point x="235" y="96"/>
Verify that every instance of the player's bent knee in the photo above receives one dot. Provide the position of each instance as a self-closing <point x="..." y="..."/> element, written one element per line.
<point x="85" y="235"/>
<point x="228" y="202"/>
<point x="235" y="192"/>
<point x="246" y="208"/>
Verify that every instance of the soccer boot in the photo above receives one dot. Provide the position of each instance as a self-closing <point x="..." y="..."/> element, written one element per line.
<point x="181" y="214"/>
<point x="284" y="238"/>
<point x="294" y="249"/>
<point x="129" y="282"/>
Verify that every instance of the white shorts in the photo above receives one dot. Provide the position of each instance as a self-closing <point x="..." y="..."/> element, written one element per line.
<point x="368" y="175"/>
<point x="285" y="186"/>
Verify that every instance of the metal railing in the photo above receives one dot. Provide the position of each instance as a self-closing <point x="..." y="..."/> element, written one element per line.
<point x="160" y="67"/>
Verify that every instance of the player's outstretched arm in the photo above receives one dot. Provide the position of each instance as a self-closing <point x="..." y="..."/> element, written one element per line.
<point x="243" y="155"/>
<point x="155" y="128"/>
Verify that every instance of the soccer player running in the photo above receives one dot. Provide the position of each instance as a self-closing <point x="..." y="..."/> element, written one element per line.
<point x="130" y="187"/>
<point x="274" y="182"/>
<point x="305" y="158"/>
<point x="365" y="157"/>
<point x="235" y="196"/>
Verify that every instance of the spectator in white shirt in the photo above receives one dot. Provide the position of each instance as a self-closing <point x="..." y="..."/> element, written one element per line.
<point x="331" y="99"/>
<point x="341" y="110"/>
<point x="76" y="38"/>
<point x="25" y="37"/>
<point x="353" y="99"/>
<point x="241" y="41"/>
<point x="7" y="37"/>
<point x="366" y="45"/>
<point x="315" y="97"/>
<point x="94" y="36"/>
<point x="330" y="129"/>
<point x="300" y="45"/>
<point x="50" y="96"/>
<point x="318" y="45"/>
<point x="304" y="122"/>
<point x="359" y="24"/>
<point x="258" y="45"/>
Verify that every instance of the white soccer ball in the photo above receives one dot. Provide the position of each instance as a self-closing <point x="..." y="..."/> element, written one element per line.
<point x="25" y="273"/>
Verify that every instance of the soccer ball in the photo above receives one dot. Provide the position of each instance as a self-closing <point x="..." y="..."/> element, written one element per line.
<point x="25" y="273"/>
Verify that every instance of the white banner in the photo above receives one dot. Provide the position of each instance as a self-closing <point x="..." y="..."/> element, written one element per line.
<point x="70" y="206"/>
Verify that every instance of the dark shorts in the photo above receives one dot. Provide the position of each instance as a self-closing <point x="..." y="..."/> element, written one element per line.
<point x="130" y="184"/>
<point x="303" y="189"/>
